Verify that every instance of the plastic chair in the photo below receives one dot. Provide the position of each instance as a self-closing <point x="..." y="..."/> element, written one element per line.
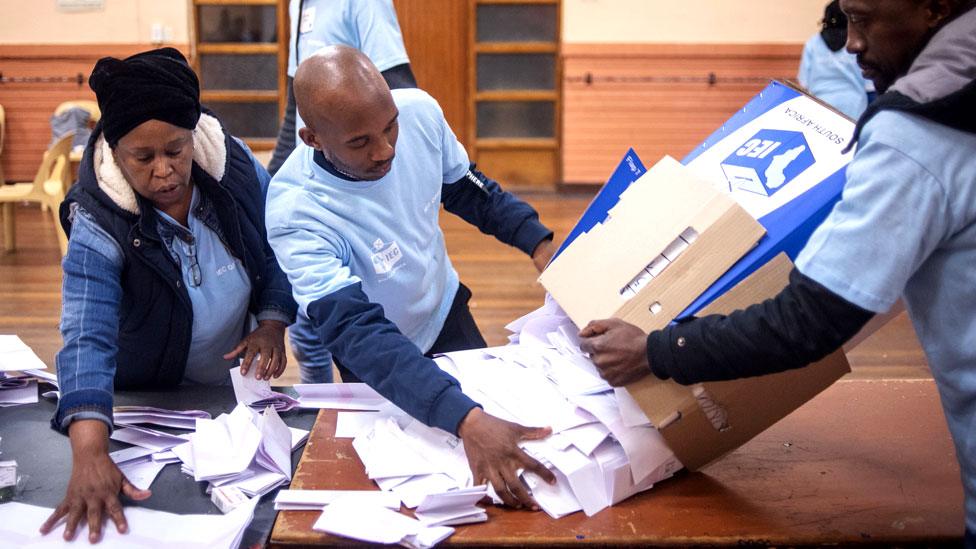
<point x="87" y="104"/>
<point x="35" y="191"/>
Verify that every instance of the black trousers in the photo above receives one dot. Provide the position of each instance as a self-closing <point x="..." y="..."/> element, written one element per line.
<point x="458" y="334"/>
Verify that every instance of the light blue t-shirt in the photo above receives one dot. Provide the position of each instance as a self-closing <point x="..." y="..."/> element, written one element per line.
<point x="370" y="26"/>
<point x="906" y="224"/>
<point x="834" y="77"/>
<point x="329" y="233"/>
<point x="219" y="292"/>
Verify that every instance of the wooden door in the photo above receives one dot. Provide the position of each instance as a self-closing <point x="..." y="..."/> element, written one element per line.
<point x="435" y="33"/>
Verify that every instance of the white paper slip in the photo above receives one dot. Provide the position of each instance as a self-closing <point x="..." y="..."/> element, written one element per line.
<point x="377" y="524"/>
<point x="340" y="396"/>
<point x="147" y="438"/>
<point x="17" y="392"/>
<point x="305" y="500"/>
<point x="350" y="424"/>
<point x="130" y="454"/>
<point x="452" y="507"/>
<point x="414" y="490"/>
<point x="298" y="436"/>
<point x="15" y="355"/>
<point x="49" y="377"/>
<point x="148" y="529"/>
<point x="258" y="393"/>
<point x="176" y="419"/>
<point x="630" y="411"/>
<point x="142" y="472"/>
<point x="386" y="452"/>
<point x="225" y="445"/>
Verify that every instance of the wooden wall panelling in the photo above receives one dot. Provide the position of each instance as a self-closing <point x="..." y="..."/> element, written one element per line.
<point x="435" y="33"/>
<point x="602" y="119"/>
<point x="29" y="106"/>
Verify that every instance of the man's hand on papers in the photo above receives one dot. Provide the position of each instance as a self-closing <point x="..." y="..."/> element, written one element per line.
<point x="543" y="254"/>
<point x="618" y="349"/>
<point x="268" y="341"/>
<point x="95" y="484"/>
<point x="491" y="445"/>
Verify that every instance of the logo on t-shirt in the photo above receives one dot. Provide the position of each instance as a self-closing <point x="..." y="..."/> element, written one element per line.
<point x="386" y="257"/>
<point x="767" y="162"/>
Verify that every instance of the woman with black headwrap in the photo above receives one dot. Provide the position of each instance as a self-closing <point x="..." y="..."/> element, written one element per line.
<point x="168" y="267"/>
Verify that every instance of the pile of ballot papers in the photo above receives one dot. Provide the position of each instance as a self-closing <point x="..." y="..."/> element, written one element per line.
<point x="245" y="450"/>
<point x="603" y="448"/>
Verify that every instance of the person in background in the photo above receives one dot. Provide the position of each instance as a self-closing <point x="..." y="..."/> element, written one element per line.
<point x="353" y="218"/>
<point x="167" y="272"/>
<point x="829" y="72"/>
<point x="905" y="225"/>
<point x="371" y="27"/>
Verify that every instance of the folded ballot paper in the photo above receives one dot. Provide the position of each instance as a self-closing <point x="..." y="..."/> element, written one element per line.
<point x="147" y="415"/>
<point x="148" y="529"/>
<point x="15" y="355"/>
<point x="257" y="393"/>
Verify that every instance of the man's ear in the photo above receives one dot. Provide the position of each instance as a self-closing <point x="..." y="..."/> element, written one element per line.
<point x="309" y="138"/>
<point x="938" y="12"/>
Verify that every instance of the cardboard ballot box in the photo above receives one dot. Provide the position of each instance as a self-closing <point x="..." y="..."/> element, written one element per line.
<point x="711" y="236"/>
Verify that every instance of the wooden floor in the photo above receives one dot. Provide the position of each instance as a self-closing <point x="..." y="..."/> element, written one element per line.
<point x="502" y="279"/>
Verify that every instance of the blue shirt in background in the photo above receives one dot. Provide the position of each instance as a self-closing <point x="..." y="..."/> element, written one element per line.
<point x="834" y="77"/>
<point x="370" y="26"/>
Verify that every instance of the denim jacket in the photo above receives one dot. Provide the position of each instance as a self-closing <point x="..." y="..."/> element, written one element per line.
<point x="126" y="316"/>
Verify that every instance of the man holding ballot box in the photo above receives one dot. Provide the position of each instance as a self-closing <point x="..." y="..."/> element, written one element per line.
<point x="905" y="226"/>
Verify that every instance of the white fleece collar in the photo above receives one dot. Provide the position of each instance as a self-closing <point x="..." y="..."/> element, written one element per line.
<point x="209" y="152"/>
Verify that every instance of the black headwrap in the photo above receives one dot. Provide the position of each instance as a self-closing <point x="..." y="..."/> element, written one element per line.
<point x="152" y="85"/>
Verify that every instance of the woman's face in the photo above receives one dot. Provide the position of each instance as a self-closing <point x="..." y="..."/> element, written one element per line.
<point x="155" y="159"/>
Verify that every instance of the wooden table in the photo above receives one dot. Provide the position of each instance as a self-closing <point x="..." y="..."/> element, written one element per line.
<point x="866" y="462"/>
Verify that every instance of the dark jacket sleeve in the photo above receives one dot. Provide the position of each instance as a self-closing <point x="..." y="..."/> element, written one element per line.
<point x="286" y="135"/>
<point x="481" y="202"/>
<point x="364" y="341"/>
<point x="801" y="325"/>
<point x="400" y="76"/>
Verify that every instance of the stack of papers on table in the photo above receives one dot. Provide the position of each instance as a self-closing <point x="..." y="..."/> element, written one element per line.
<point x="15" y="355"/>
<point x="243" y="449"/>
<point x="15" y="391"/>
<point x="147" y="529"/>
<point x="603" y="449"/>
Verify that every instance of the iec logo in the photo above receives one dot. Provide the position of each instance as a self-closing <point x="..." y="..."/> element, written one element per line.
<point x="768" y="161"/>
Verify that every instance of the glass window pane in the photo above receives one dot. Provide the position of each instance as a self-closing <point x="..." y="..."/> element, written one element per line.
<point x="237" y="23"/>
<point x="238" y="72"/>
<point x="516" y="119"/>
<point x="516" y="71"/>
<point x="248" y="119"/>
<point x="517" y="23"/>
